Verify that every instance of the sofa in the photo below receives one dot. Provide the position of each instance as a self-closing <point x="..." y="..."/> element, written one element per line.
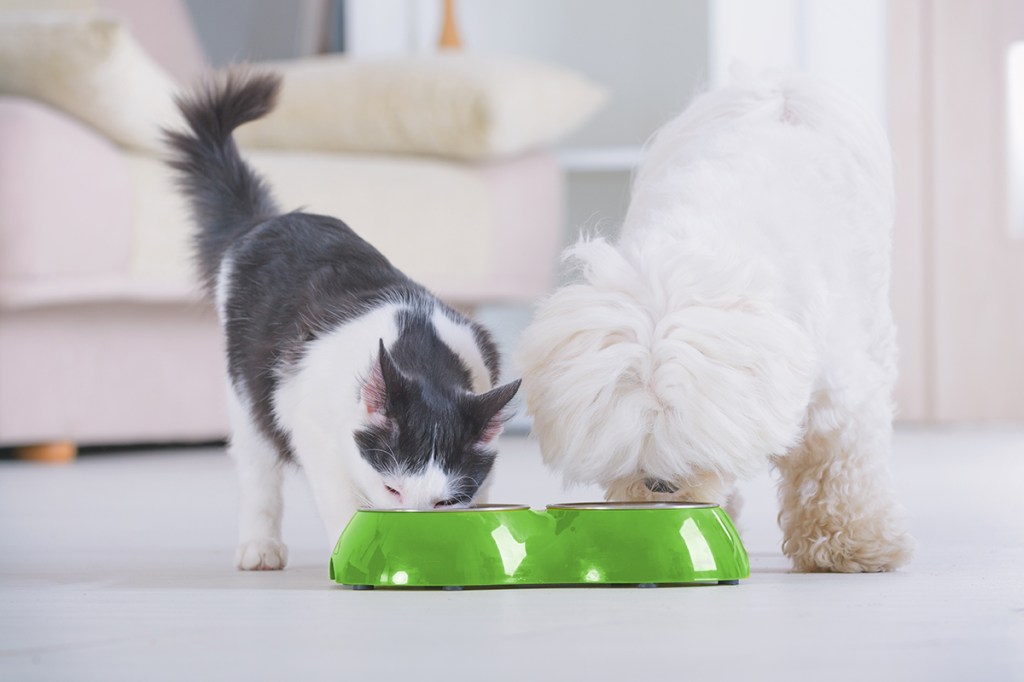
<point x="442" y="161"/>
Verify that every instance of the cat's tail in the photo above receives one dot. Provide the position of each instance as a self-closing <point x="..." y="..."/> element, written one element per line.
<point x="227" y="197"/>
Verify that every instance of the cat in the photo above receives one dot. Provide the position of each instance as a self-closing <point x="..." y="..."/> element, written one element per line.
<point x="336" y="360"/>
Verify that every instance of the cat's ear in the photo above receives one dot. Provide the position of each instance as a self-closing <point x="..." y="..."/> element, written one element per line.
<point x="394" y="380"/>
<point x="488" y="410"/>
<point x="383" y="385"/>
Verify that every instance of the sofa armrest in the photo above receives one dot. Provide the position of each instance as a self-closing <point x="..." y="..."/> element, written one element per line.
<point x="65" y="200"/>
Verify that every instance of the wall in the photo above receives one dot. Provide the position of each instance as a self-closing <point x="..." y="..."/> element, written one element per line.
<point x="650" y="54"/>
<point x="949" y="132"/>
<point x="235" y="30"/>
<point x="841" y="41"/>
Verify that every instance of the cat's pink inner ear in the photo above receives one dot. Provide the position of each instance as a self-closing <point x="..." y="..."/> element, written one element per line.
<point x="374" y="394"/>
<point x="493" y="429"/>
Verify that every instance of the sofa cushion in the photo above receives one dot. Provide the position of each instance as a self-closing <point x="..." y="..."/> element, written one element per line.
<point x="458" y="105"/>
<point x="454" y="105"/>
<point x="470" y="233"/>
<point x="166" y="31"/>
<point x="90" y="67"/>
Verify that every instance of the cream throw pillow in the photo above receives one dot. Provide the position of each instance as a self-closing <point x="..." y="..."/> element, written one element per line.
<point x="90" y="67"/>
<point x="455" y="105"/>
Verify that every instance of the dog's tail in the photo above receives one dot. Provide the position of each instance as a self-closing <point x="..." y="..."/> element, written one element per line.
<point x="227" y="196"/>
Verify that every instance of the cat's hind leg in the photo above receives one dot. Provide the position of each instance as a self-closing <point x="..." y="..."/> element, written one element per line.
<point x="260" y="479"/>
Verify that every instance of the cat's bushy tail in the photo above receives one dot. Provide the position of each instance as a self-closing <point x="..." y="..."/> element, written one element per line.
<point x="227" y="197"/>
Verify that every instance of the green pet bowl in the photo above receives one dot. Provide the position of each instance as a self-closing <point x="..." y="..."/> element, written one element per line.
<point x="605" y="543"/>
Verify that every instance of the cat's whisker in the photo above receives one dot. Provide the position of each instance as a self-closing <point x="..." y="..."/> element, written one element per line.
<point x="363" y="500"/>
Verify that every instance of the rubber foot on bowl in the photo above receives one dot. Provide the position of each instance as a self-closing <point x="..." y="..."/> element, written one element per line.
<point x="452" y="588"/>
<point x="362" y="587"/>
<point x="728" y="582"/>
<point x="646" y="586"/>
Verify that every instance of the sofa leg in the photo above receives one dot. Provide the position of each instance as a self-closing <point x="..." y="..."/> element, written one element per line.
<point x="61" y="451"/>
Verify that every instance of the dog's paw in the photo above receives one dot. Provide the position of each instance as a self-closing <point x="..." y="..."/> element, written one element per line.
<point x="843" y="552"/>
<point x="261" y="554"/>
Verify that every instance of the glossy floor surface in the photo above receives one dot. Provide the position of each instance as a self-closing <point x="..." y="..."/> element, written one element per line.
<point x="119" y="568"/>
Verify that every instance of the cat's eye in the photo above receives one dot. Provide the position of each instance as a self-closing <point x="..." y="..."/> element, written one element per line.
<point x="392" y="491"/>
<point x="450" y="502"/>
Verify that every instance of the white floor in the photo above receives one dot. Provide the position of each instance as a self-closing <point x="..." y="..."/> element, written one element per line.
<point x="119" y="568"/>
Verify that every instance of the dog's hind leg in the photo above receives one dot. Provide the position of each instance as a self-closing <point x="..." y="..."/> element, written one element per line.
<point x="838" y="512"/>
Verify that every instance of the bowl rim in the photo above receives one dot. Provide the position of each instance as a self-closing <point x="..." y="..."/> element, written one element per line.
<point x="630" y="506"/>
<point x="451" y="510"/>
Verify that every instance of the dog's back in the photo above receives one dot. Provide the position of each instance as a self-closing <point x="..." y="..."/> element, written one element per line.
<point x="780" y="170"/>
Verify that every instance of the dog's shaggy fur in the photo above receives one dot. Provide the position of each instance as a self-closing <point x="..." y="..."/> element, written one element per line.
<point x="741" y="320"/>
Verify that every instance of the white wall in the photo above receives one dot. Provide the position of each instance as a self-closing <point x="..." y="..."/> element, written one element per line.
<point x="958" y="268"/>
<point x="651" y="54"/>
<point x="843" y="41"/>
<point x="236" y="30"/>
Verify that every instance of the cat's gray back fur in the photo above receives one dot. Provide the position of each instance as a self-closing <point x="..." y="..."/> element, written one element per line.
<point x="291" y="277"/>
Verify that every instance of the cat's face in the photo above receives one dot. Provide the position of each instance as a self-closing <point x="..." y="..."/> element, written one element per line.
<point x="422" y="447"/>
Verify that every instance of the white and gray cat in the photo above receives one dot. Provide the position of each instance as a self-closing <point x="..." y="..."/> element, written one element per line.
<point x="336" y="360"/>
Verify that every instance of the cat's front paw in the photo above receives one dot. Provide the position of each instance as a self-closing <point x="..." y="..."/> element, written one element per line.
<point x="261" y="554"/>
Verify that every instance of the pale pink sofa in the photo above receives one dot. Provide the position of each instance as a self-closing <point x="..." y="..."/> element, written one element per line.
<point x="103" y="343"/>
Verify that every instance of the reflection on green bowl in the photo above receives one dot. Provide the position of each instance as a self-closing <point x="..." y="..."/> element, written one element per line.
<point x="567" y="544"/>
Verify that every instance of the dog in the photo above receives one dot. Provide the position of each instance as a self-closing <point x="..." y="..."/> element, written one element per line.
<point x="741" y="321"/>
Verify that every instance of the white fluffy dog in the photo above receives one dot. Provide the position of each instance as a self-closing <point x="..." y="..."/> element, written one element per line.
<point x="742" y="320"/>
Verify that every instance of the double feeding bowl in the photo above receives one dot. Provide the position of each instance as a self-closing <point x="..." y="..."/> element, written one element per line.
<point x="602" y="543"/>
